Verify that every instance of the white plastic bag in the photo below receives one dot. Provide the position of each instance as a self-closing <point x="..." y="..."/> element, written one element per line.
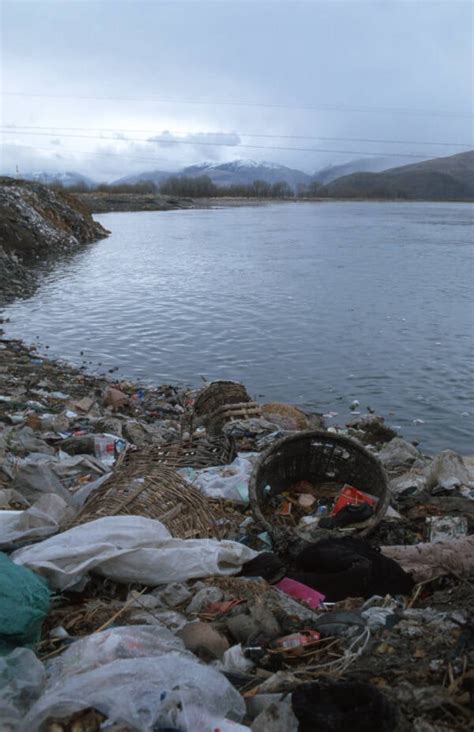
<point x="146" y="694"/>
<point x="100" y="649"/>
<point x="22" y="679"/>
<point x="230" y="482"/>
<point x="42" y="519"/>
<point x="129" y="549"/>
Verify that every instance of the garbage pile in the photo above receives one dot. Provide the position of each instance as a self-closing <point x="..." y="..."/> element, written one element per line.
<point x="194" y="561"/>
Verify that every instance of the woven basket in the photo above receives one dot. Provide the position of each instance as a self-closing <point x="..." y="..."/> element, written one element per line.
<point x="231" y="413"/>
<point x="203" y="452"/>
<point x="318" y="457"/>
<point x="219" y="393"/>
<point x="154" y="491"/>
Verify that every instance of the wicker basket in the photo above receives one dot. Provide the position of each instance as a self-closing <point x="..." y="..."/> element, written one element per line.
<point x="203" y="452"/>
<point x="219" y="393"/>
<point x="320" y="458"/>
<point x="230" y="413"/>
<point x="154" y="491"/>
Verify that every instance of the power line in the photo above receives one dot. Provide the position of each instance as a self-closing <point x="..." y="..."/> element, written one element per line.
<point x="229" y="103"/>
<point x="107" y="155"/>
<point x="241" y="134"/>
<point x="222" y="144"/>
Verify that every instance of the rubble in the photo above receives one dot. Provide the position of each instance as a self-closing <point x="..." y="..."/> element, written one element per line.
<point x="147" y="619"/>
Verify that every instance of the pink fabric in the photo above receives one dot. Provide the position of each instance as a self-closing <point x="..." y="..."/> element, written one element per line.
<point x="298" y="591"/>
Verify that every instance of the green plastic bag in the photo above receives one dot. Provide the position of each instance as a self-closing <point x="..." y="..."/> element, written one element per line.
<point x="24" y="603"/>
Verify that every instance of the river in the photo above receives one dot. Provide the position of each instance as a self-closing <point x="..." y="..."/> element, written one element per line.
<point x="318" y="304"/>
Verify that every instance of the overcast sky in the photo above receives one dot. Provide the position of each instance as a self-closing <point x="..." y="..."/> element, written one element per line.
<point x="135" y="71"/>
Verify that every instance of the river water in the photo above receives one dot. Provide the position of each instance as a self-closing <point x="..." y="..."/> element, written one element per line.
<point x="317" y="304"/>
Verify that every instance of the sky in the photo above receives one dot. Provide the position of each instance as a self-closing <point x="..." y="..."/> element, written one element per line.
<point x="109" y="88"/>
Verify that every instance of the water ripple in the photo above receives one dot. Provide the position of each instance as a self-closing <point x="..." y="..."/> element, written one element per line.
<point x="313" y="304"/>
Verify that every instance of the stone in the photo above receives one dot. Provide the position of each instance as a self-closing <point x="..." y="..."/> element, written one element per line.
<point x="115" y="398"/>
<point x="408" y="484"/>
<point x="399" y="454"/>
<point x="203" y="640"/>
<point x="447" y="472"/>
<point x="373" y="428"/>
<point x="286" y="416"/>
<point x="204" y="598"/>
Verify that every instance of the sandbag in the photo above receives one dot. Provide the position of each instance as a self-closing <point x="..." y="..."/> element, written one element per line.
<point x="129" y="549"/>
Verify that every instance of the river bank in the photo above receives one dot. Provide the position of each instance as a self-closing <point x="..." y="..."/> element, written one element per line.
<point x="109" y="490"/>
<point x="63" y="431"/>
<point x="99" y="202"/>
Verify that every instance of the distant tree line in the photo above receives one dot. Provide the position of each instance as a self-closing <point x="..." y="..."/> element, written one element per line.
<point x="189" y="187"/>
<point x="203" y="187"/>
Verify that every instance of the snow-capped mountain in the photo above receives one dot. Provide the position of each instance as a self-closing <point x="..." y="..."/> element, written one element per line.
<point x="225" y="174"/>
<point x="66" y="179"/>
<point x="246" y="171"/>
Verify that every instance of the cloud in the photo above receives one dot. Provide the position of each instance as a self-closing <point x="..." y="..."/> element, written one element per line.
<point x="211" y="145"/>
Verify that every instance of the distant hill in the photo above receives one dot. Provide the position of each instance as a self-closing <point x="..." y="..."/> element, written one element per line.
<point x="236" y="172"/>
<point x="66" y="179"/>
<point x="362" y="165"/>
<point x="246" y="171"/>
<point x="154" y="176"/>
<point x="440" y="179"/>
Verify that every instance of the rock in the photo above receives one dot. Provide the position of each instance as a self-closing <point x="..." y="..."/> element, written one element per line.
<point x="173" y="594"/>
<point x="399" y="454"/>
<point x="34" y="217"/>
<point x="84" y="404"/>
<point x="408" y="484"/>
<point x="203" y="640"/>
<point x="109" y="425"/>
<point x="278" y="717"/>
<point x="241" y="627"/>
<point x="115" y="398"/>
<point x="136" y="433"/>
<point x="447" y="472"/>
<point x="254" y="427"/>
<point x="285" y="416"/>
<point x="204" y="598"/>
<point x="374" y="428"/>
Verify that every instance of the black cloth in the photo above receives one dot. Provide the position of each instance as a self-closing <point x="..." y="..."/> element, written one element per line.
<point x="266" y="565"/>
<point x="349" y="567"/>
<point x="339" y="706"/>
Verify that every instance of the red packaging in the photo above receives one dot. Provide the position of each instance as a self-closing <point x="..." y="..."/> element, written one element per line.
<point x="350" y="495"/>
<point x="297" y="643"/>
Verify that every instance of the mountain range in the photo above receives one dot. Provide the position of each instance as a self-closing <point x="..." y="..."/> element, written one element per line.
<point x="440" y="179"/>
<point x="237" y="172"/>
<point x="67" y="179"/>
<point x="447" y="178"/>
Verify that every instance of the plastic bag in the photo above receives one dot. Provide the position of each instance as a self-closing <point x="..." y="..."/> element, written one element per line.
<point x="230" y="482"/>
<point x="99" y="649"/>
<point x="22" y="679"/>
<point x="130" y="549"/>
<point x="146" y="694"/>
<point x="24" y="604"/>
<point x="40" y="520"/>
